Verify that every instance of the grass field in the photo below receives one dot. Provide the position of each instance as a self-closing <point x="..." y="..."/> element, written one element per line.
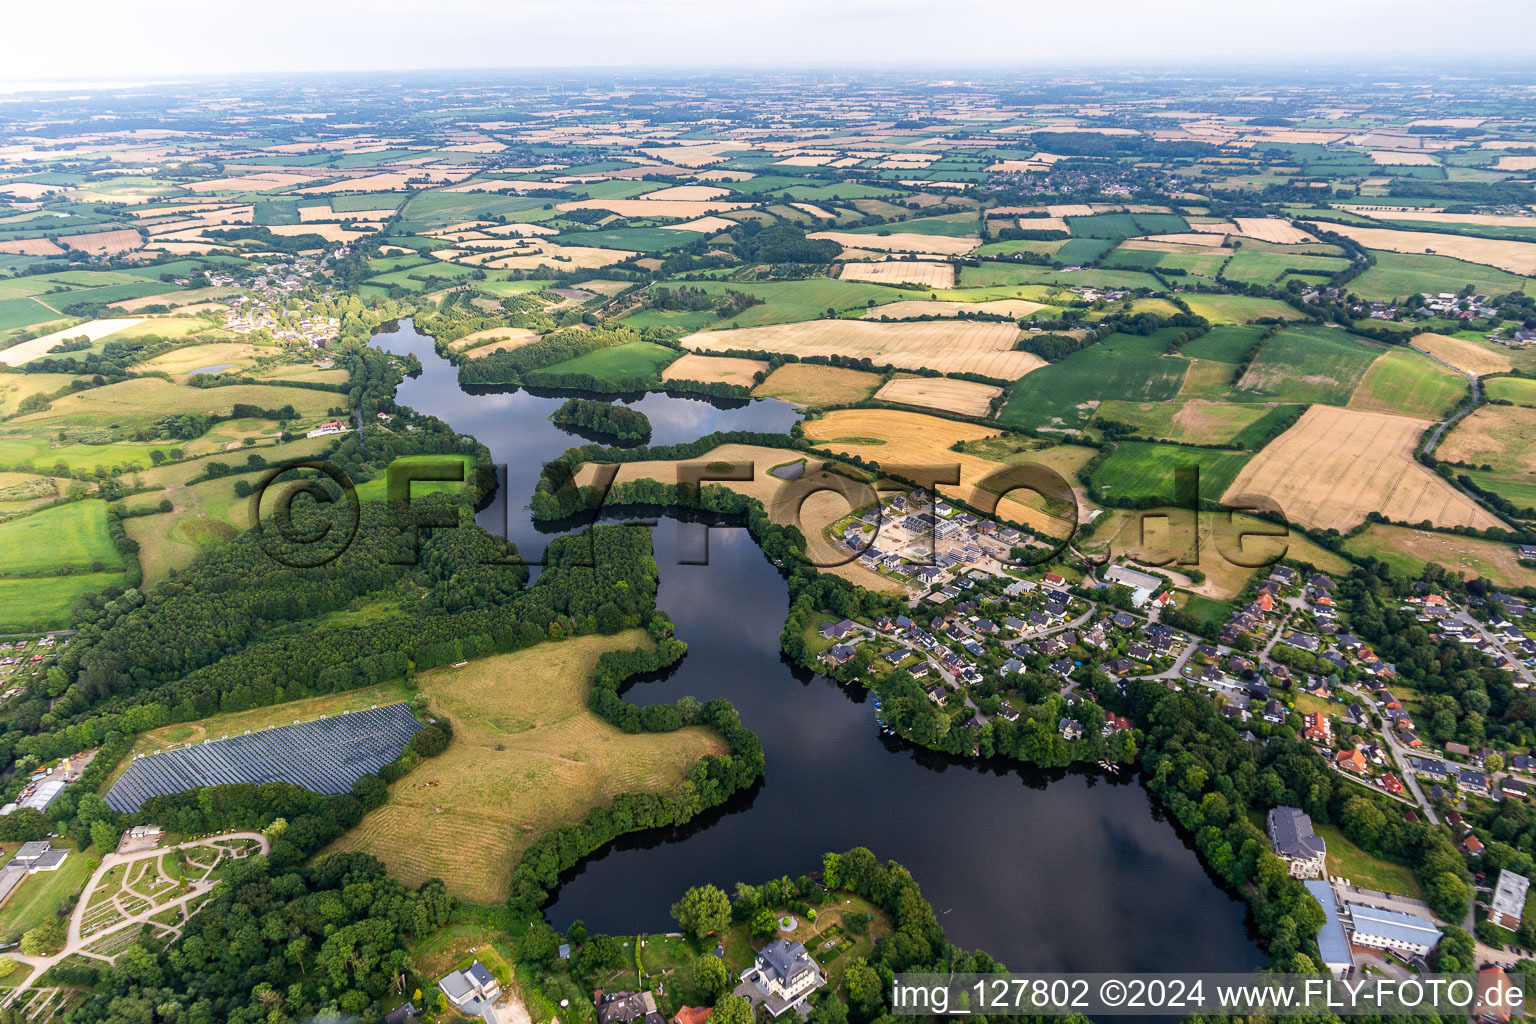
<point x="1335" y="465"/>
<point x="1240" y="309"/>
<point x="1251" y="266"/>
<point x="1398" y="275"/>
<point x="1307" y="364"/>
<point x="526" y="757"/>
<point x="1519" y="390"/>
<point x="1403" y="382"/>
<point x="1501" y="437"/>
<point x="1347" y="860"/>
<point x="1224" y="344"/>
<point x="1162" y="536"/>
<point x="1138" y="470"/>
<point x="946" y="346"/>
<point x="138" y="403"/>
<point x="785" y="301"/>
<point x="43" y="602"/>
<point x="632" y="360"/>
<point x="812" y="384"/>
<point x="73" y="535"/>
<point x="1408" y="551"/>
<point x="38" y="898"/>
<point x="1123" y="367"/>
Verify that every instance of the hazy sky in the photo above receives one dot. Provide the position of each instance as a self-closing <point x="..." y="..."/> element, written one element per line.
<point x="166" y="39"/>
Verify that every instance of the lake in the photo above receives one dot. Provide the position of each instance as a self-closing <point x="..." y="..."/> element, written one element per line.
<point x="1046" y="870"/>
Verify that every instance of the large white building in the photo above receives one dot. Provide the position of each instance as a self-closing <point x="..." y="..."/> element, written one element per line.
<point x="782" y="978"/>
<point x="1291" y="836"/>
<point x="1388" y="929"/>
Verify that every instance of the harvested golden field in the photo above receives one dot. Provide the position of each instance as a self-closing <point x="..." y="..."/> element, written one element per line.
<point x="968" y="398"/>
<point x="30" y="247"/>
<point x="815" y="385"/>
<point x="1272" y="229"/>
<point x="1390" y="159"/>
<point x="526" y="757"/>
<point x="891" y="436"/>
<point x="686" y="193"/>
<point x="1335" y="465"/>
<point x="1516" y="163"/>
<point x="1441" y="217"/>
<point x="329" y="232"/>
<point x="928" y="275"/>
<point x="818" y="512"/>
<point x="902" y="241"/>
<point x="946" y="346"/>
<point x="904" y="309"/>
<point x="814" y="210"/>
<point x="263" y="182"/>
<point x="195" y="357"/>
<point x="564" y="257"/>
<point x="509" y="337"/>
<point x="1515" y="257"/>
<point x="120" y="240"/>
<point x="95" y="330"/>
<point x="703" y="225"/>
<point x="714" y="369"/>
<point x="1502" y="436"/>
<point x="1467" y="356"/>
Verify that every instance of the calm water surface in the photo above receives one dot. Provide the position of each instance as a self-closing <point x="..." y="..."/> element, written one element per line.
<point x="1044" y="870"/>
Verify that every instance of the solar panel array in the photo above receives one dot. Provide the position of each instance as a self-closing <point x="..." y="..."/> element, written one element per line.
<point x="327" y="755"/>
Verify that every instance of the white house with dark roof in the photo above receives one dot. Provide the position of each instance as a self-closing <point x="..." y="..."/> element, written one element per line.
<point x="471" y="990"/>
<point x="1291" y="835"/>
<point x="782" y="977"/>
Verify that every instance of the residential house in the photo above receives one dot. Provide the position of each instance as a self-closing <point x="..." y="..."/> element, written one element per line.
<point x="1352" y="760"/>
<point x="1293" y="840"/>
<point x="782" y="978"/>
<point x="1070" y="729"/>
<point x="626" y="1007"/>
<point x="1317" y="728"/>
<point x="472" y="989"/>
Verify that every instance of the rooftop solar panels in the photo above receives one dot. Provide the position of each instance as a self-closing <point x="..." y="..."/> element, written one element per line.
<point x="327" y="755"/>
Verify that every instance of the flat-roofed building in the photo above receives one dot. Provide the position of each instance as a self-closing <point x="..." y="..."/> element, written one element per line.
<point x="1389" y="929"/>
<point x="1508" y="904"/>
<point x="1332" y="943"/>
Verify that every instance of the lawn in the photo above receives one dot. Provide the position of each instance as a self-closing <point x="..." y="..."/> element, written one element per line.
<point x="632" y="239"/>
<point x="1405" y="383"/>
<point x="43" y="602"/>
<point x="1519" y="390"/>
<point x="635" y="360"/>
<point x="1253" y="267"/>
<point x="1307" y="364"/>
<point x="527" y="756"/>
<point x="1210" y="613"/>
<point x="1240" y="309"/>
<point x="38" y="898"/>
<point x="1347" y="860"/>
<point x="787" y="301"/>
<point x="1064" y="395"/>
<point x="1138" y="470"/>
<point x="72" y="535"/>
